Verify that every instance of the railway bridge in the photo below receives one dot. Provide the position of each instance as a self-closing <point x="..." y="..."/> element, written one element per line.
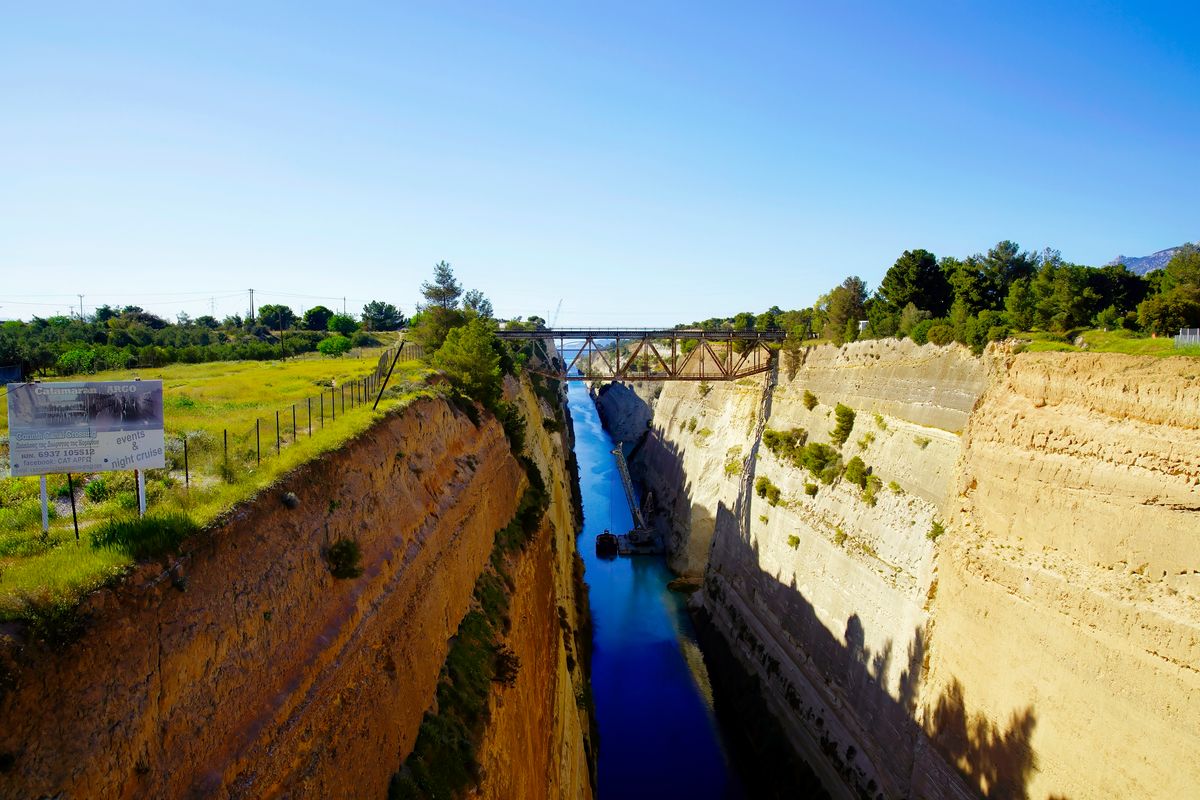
<point x="649" y="354"/>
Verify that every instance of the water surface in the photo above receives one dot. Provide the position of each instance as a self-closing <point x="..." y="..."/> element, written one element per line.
<point x="658" y="734"/>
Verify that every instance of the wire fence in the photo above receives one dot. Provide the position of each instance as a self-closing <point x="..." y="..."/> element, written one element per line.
<point x="1188" y="337"/>
<point x="202" y="455"/>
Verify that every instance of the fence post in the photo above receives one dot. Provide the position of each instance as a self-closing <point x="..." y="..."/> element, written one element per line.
<point x="276" y="433"/>
<point x="257" y="441"/>
<point x="333" y="403"/>
<point x="322" y="408"/>
<point x="343" y="398"/>
<point x="294" y="437"/>
<point x="187" y="481"/>
<point x="225" y="436"/>
<point x="308" y="402"/>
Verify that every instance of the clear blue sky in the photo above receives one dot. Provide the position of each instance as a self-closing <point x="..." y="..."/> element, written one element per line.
<point x="646" y="163"/>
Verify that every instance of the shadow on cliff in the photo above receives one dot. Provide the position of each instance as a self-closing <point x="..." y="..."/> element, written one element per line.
<point x="995" y="761"/>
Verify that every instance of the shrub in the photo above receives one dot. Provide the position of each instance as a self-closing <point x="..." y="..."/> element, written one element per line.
<point x="920" y="332"/>
<point x="822" y="461"/>
<point x="839" y="536"/>
<point x="921" y="441"/>
<point x="941" y="334"/>
<point x="856" y="472"/>
<point x="793" y="541"/>
<point x="871" y="490"/>
<point x="691" y="424"/>
<point x="810" y="400"/>
<point x="866" y="441"/>
<point x="705" y="387"/>
<point x="507" y="666"/>
<point x="785" y="444"/>
<point x="145" y="537"/>
<point x="344" y="557"/>
<point x="810" y="489"/>
<point x="97" y="490"/>
<point x="765" y="489"/>
<point x="880" y="422"/>
<point x="895" y="487"/>
<point x="334" y="346"/>
<point x="935" y="530"/>
<point x="845" y="424"/>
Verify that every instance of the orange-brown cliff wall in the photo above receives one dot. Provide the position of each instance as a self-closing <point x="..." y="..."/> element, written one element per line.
<point x="536" y="744"/>
<point x="260" y="675"/>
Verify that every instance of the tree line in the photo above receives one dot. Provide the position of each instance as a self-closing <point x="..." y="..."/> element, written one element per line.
<point x="115" y="337"/>
<point x="990" y="296"/>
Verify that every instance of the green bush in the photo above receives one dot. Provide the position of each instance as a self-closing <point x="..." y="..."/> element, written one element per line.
<point x="935" y="530"/>
<point x="334" y="346"/>
<point x="845" y="424"/>
<point x="785" y="445"/>
<point x="145" y="537"/>
<point x="810" y="489"/>
<point x="344" y="557"/>
<point x="941" y="334"/>
<point x="97" y="490"/>
<point x="810" y="400"/>
<point x="857" y="472"/>
<point x="839" y="537"/>
<point x="765" y="489"/>
<point x="871" y="490"/>
<point x="793" y="541"/>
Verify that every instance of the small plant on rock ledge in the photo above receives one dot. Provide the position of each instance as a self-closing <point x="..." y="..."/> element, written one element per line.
<point x="810" y="400"/>
<point x="793" y="541"/>
<point x="507" y="666"/>
<point x="344" y="557"/>
<point x="935" y="530"/>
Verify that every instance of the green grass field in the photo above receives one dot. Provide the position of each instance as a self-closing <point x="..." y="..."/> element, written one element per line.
<point x="201" y="402"/>
<point x="1097" y="341"/>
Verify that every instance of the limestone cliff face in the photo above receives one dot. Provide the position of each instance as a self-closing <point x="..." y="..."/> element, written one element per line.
<point x="538" y="741"/>
<point x="1046" y="644"/>
<point x="244" y="669"/>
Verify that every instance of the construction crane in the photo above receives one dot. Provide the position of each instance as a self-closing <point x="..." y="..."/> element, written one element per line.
<point x="554" y="319"/>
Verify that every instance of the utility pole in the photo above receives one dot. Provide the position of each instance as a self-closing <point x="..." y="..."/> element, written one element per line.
<point x="252" y="305"/>
<point x="81" y="308"/>
<point x="343" y="306"/>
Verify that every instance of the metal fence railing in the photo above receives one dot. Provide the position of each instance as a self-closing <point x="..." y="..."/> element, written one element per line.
<point x="272" y="431"/>
<point x="1188" y="337"/>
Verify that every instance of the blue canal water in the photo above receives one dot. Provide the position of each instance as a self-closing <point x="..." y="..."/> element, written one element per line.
<point x="658" y="733"/>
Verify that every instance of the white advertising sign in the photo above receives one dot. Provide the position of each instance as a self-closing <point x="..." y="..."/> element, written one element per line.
<point x="85" y="427"/>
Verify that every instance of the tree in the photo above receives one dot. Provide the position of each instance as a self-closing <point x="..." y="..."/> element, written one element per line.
<point x="1166" y="313"/>
<point x="475" y="301"/>
<point x="317" y="318"/>
<point x="1021" y="305"/>
<point x="444" y="291"/>
<point x="1183" y="269"/>
<point x="334" y="346"/>
<point x="843" y="304"/>
<point x="343" y="324"/>
<point x="909" y="317"/>
<point x="275" y="316"/>
<point x="470" y="360"/>
<point x="380" y="316"/>
<point x="915" y="278"/>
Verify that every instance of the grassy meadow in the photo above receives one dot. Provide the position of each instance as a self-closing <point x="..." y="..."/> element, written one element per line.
<point x="201" y="402"/>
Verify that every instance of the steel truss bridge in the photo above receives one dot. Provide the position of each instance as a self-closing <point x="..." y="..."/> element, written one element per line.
<point x="648" y="354"/>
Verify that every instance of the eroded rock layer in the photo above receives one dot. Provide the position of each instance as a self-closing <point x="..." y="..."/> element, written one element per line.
<point x="1047" y="644"/>
<point x="244" y="669"/>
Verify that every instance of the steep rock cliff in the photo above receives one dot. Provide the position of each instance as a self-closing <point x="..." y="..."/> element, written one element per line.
<point x="244" y="669"/>
<point x="1044" y="645"/>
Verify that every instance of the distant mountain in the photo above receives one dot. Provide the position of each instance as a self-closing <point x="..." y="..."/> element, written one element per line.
<point x="1143" y="264"/>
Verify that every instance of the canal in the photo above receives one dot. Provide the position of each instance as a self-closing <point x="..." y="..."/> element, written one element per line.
<point x="658" y="731"/>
